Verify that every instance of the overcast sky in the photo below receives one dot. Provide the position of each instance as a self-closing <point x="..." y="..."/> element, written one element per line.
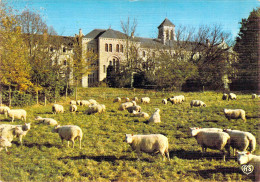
<point x="68" y="16"/>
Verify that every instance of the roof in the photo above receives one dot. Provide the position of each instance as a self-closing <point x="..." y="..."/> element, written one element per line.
<point x="109" y="33"/>
<point x="166" y="22"/>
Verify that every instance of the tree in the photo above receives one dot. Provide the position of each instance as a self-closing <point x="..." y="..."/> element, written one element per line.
<point x="14" y="66"/>
<point x="247" y="47"/>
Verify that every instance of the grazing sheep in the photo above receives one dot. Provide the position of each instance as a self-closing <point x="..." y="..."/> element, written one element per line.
<point x="48" y="121"/>
<point x="117" y="99"/>
<point x="235" y="114"/>
<point x="73" y="108"/>
<point x="224" y="96"/>
<point x="232" y="96"/>
<point x="254" y="96"/>
<point x="4" y="143"/>
<point x="134" y="108"/>
<point x="212" y="139"/>
<point x="127" y="99"/>
<point x="141" y="114"/>
<point x="92" y="101"/>
<point x="149" y="143"/>
<point x="175" y="100"/>
<point x="135" y="99"/>
<point x="17" y="114"/>
<point x="181" y="97"/>
<point x="4" y="110"/>
<point x="247" y="158"/>
<point x="197" y="103"/>
<point x="206" y="129"/>
<point x="69" y="133"/>
<point x="96" y="108"/>
<point x="85" y="103"/>
<point x="241" y="140"/>
<point x="145" y="100"/>
<point x="73" y="102"/>
<point x="56" y="108"/>
<point x="11" y="131"/>
<point x="164" y="101"/>
<point x="155" y="118"/>
<point x="125" y="105"/>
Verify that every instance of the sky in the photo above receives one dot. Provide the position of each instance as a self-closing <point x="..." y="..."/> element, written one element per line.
<point x="68" y="16"/>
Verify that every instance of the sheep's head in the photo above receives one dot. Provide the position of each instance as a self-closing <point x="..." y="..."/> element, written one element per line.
<point x="129" y="138"/>
<point x="26" y="126"/>
<point x="55" y="129"/>
<point x="37" y="118"/>
<point x="243" y="157"/>
<point x="134" y="103"/>
<point x="194" y="131"/>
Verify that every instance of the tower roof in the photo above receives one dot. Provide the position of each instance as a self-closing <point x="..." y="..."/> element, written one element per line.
<point x="166" y="22"/>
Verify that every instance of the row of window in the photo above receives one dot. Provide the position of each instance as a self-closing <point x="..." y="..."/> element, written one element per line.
<point x="109" y="48"/>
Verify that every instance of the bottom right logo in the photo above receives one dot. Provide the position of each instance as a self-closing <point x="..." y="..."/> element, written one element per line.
<point x="247" y="169"/>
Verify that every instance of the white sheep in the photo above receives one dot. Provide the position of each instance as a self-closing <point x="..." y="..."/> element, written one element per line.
<point x="254" y="96"/>
<point x="117" y="99"/>
<point x="96" y="108"/>
<point x="248" y="158"/>
<point x="92" y="101"/>
<point x="17" y="114"/>
<point x="212" y="139"/>
<point x="141" y="114"/>
<point x="145" y="100"/>
<point x="135" y="99"/>
<point x="11" y="131"/>
<point x="4" y="143"/>
<point x="69" y="133"/>
<point x="4" y="110"/>
<point x="232" y="96"/>
<point x="73" y="102"/>
<point x="235" y="114"/>
<point x="127" y="99"/>
<point x="155" y="118"/>
<point x="181" y="97"/>
<point x="48" y="121"/>
<point x="56" y="108"/>
<point x="134" y="108"/>
<point x="85" y="103"/>
<point x="149" y="143"/>
<point x="125" y="105"/>
<point x="164" y="101"/>
<point x="197" y="103"/>
<point x="241" y="140"/>
<point x="207" y="129"/>
<point x="73" y="108"/>
<point x="225" y="96"/>
<point x="175" y="100"/>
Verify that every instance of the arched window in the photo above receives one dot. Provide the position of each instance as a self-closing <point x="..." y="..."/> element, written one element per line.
<point x="117" y="47"/>
<point x="143" y="53"/>
<point x="64" y="49"/>
<point x="110" y="63"/>
<point x="121" y="48"/>
<point x="110" y="47"/>
<point x="167" y="35"/>
<point x="104" y="68"/>
<point x="172" y="35"/>
<point x="106" y="47"/>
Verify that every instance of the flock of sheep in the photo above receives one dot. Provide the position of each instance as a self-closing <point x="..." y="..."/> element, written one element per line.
<point x="213" y="138"/>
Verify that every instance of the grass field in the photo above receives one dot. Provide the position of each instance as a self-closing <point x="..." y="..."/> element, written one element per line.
<point x="106" y="157"/>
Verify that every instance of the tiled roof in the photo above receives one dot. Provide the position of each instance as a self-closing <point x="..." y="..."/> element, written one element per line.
<point x="166" y="22"/>
<point x="109" y="33"/>
<point x="95" y="33"/>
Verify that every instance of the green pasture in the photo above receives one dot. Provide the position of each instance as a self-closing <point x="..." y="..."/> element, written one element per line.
<point x="106" y="157"/>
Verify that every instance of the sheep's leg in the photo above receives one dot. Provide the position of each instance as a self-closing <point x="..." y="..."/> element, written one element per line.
<point x="21" y="139"/>
<point x="13" y="119"/>
<point x="6" y="149"/>
<point x="224" y="155"/>
<point x="167" y="154"/>
<point x="72" y="143"/>
<point x="68" y="143"/>
<point x="79" y="143"/>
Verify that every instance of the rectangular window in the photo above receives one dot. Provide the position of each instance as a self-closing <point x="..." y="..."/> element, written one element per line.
<point x="104" y="68"/>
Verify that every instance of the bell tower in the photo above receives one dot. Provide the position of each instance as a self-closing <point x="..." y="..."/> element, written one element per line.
<point x="166" y="31"/>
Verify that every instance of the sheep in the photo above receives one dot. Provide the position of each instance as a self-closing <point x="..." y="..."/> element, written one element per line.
<point x="125" y="105"/>
<point x="241" y="140"/>
<point x="248" y="158"/>
<point x="84" y="103"/>
<point x="212" y="139"/>
<point x="135" y="99"/>
<point x="197" y="103"/>
<point x="17" y="113"/>
<point x="96" y="108"/>
<point x="149" y="144"/>
<point x="145" y="100"/>
<point x="78" y="102"/>
<point x="56" y="108"/>
<point x="12" y="131"/>
<point x="117" y="99"/>
<point x="175" y="100"/>
<point x="69" y="133"/>
<point x="141" y="114"/>
<point x="4" y="143"/>
<point x="92" y="101"/>
<point x="235" y="114"/>
<point x="4" y="110"/>
<point x="164" y="101"/>
<point x="225" y="96"/>
<point x="181" y="97"/>
<point x="134" y="108"/>
<point x="127" y="99"/>
<point x="206" y="129"/>
<point x="254" y="96"/>
<point x="73" y="108"/>
<point x="48" y="121"/>
<point x="155" y="118"/>
<point x="73" y="102"/>
<point x="232" y="96"/>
